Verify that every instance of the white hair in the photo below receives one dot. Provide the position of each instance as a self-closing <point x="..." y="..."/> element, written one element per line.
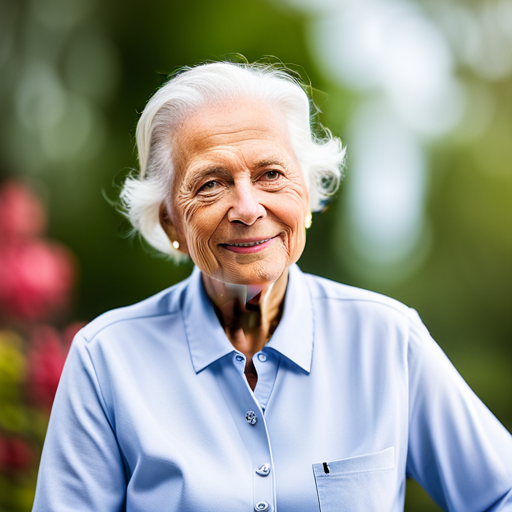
<point x="320" y="157"/>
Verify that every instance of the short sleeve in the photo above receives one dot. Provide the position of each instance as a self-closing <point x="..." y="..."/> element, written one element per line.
<point x="81" y="466"/>
<point x="458" y="451"/>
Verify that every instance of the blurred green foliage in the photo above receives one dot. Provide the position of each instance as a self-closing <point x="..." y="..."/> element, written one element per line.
<point x="75" y="74"/>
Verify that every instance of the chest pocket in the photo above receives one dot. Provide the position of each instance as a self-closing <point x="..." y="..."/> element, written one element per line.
<point x="357" y="484"/>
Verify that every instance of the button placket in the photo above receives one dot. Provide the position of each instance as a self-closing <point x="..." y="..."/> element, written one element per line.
<point x="250" y="421"/>
<point x="263" y="476"/>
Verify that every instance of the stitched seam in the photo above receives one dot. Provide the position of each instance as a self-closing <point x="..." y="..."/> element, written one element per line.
<point x="88" y="340"/>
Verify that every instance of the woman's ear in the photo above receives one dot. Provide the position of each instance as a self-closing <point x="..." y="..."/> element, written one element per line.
<point x="170" y="229"/>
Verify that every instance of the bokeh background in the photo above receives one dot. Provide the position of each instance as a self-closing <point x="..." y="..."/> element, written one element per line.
<point x="421" y="93"/>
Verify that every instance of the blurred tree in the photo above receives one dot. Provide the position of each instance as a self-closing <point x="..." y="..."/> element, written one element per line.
<point x="36" y="277"/>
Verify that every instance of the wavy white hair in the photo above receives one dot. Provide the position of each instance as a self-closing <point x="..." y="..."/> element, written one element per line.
<point x="320" y="157"/>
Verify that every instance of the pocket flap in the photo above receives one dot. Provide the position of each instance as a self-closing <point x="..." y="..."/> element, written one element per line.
<point x="377" y="461"/>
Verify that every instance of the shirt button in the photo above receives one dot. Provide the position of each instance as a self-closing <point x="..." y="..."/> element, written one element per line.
<point x="251" y="418"/>
<point x="263" y="470"/>
<point x="239" y="358"/>
<point x="262" y="357"/>
<point x="262" y="506"/>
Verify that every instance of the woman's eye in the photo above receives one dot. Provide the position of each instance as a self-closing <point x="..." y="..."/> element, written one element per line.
<point x="209" y="186"/>
<point x="272" y="175"/>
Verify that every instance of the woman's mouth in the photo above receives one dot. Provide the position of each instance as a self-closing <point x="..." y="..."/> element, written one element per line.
<point x="248" y="246"/>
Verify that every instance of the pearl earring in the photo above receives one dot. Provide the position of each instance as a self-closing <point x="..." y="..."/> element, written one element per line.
<point x="176" y="244"/>
<point x="309" y="220"/>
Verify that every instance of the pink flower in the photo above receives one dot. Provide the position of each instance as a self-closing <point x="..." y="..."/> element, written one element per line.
<point x="46" y="360"/>
<point x="21" y="213"/>
<point x="36" y="279"/>
<point x="15" y="454"/>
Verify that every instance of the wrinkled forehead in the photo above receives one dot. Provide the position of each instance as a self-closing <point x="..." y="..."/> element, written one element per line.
<point x="239" y="123"/>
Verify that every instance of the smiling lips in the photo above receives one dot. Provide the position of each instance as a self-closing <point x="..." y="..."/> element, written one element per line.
<point x="248" y="246"/>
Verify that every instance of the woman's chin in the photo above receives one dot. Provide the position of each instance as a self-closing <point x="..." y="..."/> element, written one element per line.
<point x="259" y="273"/>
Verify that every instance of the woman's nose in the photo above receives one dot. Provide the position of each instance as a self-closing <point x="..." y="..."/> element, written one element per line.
<point x="245" y="207"/>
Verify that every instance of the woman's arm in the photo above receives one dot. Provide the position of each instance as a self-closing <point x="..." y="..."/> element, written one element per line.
<point x="81" y="466"/>
<point x="458" y="451"/>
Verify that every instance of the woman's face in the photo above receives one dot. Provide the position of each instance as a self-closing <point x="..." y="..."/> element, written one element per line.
<point x="239" y="199"/>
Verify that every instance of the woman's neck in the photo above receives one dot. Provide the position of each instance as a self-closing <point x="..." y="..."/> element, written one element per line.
<point x="248" y="313"/>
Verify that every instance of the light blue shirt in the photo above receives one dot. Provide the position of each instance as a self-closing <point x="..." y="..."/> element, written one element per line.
<point x="153" y="412"/>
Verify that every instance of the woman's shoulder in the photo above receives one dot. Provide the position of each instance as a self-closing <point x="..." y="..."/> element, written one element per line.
<point x="357" y="306"/>
<point x="326" y="289"/>
<point x="164" y="303"/>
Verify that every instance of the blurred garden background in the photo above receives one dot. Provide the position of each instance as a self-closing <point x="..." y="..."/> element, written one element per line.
<point x="421" y="93"/>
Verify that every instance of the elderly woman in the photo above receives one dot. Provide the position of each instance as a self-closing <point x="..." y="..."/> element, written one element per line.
<point x="252" y="386"/>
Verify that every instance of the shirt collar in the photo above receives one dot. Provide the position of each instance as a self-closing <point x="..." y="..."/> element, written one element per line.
<point x="293" y="337"/>
<point x="208" y="342"/>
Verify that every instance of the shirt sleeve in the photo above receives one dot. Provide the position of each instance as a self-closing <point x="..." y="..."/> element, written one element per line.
<point x="458" y="451"/>
<point x="81" y="466"/>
